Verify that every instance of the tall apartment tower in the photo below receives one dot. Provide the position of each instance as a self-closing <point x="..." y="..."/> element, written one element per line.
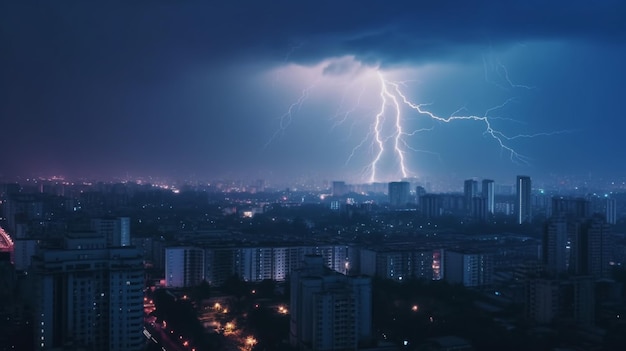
<point x="591" y="247"/>
<point x="184" y="266"/>
<point x="470" y="190"/>
<point x="479" y="208"/>
<point x="399" y="194"/>
<point x="431" y="205"/>
<point x="88" y="295"/>
<point x="611" y="211"/>
<point x="550" y="300"/>
<point x="522" y="200"/>
<point x="571" y="207"/>
<point x="116" y="230"/>
<point x="419" y="192"/>
<point x="329" y="311"/>
<point x="489" y="193"/>
<point x="555" y="253"/>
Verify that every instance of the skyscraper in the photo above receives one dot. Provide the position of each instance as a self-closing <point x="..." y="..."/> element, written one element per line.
<point x="611" y="211"/>
<point x="571" y="207"/>
<point x="88" y="294"/>
<point x="488" y="193"/>
<point x="470" y="190"/>
<point x="522" y="197"/>
<point x="591" y="247"/>
<point x="431" y="205"/>
<point x="419" y="192"/>
<point x="399" y="194"/>
<point x="479" y="208"/>
<point x="555" y="254"/>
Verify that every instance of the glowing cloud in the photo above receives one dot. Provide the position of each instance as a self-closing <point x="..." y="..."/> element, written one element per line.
<point x="393" y="120"/>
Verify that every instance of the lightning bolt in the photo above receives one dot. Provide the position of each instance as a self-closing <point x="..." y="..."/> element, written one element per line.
<point x="392" y="96"/>
<point x="496" y="66"/>
<point x="340" y="116"/>
<point x="287" y="117"/>
<point x="501" y="69"/>
<point x="389" y="97"/>
<point x="389" y="132"/>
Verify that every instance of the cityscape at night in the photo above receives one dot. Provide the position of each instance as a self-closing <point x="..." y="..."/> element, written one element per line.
<point x="312" y="175"/>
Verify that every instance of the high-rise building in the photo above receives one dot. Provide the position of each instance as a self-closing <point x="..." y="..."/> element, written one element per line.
<point x="479" y="208"/>
<point x="184" y="266"/>
<point x="591" y="247"/>
<point x="329" y="311"/>
<point x="470" y="190"/>
<point x="431" y="205"/>
<point x="543" y="303"/>
<point x="555" y="253"/>
<point x="24" y="250"/>
<point x="522" y="200"/>
<point x="399" y="194"/>
<point x="116" y="230"/>
<point x="88" y="295"/>
<point x="611" y="211"/>
<point x="489" y="193"/>
<point x="419" y="192"/>
<point x="570" y="300"/>
<point x="570" y="207"/>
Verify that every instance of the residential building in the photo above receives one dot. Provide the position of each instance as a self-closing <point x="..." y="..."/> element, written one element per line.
<point x="329" y="310"/>
<point x="88" y="295"/>
<point x="184" y="266"/>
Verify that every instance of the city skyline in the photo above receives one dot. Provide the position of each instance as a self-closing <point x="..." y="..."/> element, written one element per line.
<point x="279" y="90"/>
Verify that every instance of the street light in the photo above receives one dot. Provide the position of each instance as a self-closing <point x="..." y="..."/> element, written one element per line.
<point x="250" y="341"/>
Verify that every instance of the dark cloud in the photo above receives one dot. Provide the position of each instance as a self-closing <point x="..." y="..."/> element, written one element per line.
<point x="159" y="84"/>
<point x="133" y="33"/>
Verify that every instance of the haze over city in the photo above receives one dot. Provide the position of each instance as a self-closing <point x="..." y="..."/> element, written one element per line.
<point x="283" y="89"/>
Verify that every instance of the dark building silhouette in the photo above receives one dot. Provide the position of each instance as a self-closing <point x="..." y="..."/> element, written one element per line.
<point x="550" y="300"/>
<point x="399" y="194"/>
<point x="470" y="190"/>
<point x="591" y="247"/>
<point x="611" y="211"/>
<point x="339" y="188"/>
<point x="479" y="208"/>
<point x="431" y="205"/>
<point x="571" y="207"/>
<point x="488" y="193"/>
<point x="419" y="192"/>
<point x="555" y="253"/>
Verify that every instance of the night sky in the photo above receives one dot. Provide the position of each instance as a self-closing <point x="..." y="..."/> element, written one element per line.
<point x="282" y="88"/>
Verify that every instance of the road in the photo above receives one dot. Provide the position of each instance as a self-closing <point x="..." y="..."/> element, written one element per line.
<point x="159" y="336"/>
